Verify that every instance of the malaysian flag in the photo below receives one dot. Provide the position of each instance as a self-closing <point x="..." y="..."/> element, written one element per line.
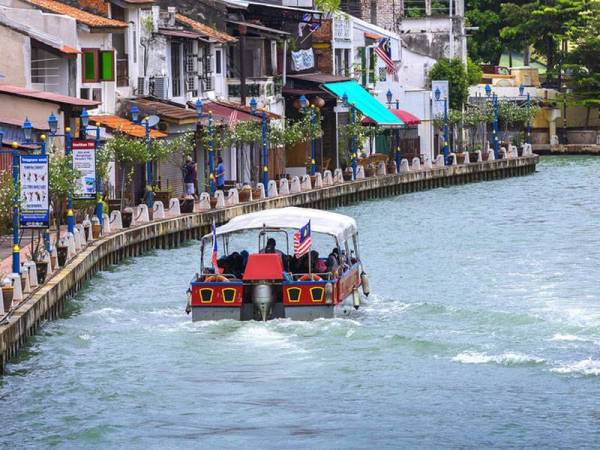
<point x="213" y="256"/>
<point x="302" y="241"/>
<point x="233" y="119"/>
<point x="384" y="52"/>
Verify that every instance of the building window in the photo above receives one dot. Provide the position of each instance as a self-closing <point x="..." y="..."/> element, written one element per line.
<point x="97" y="65"/>
<point x="218" y="62"/>
<point x="176" y="69"/>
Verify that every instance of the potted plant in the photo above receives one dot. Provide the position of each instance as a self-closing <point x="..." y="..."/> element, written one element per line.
<point x="38" y="256"/>
<point x="127" y="217"/>
<point x="62" y="252"/>
<point x="96" y="227"/>
<point x="245" y="194"/>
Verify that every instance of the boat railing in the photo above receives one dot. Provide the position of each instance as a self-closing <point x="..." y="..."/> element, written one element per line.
<point x="325" y="276"/>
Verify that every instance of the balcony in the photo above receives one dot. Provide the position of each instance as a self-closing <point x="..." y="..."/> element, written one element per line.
<point x="256" y="87"/>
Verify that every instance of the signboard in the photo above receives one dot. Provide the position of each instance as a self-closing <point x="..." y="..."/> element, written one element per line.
<point x="34" y="191"/>
<point x="84" y="161"/>
<point x="437" y="106"/>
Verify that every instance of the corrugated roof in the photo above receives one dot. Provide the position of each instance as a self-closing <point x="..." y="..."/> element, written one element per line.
<point x="259" y="27"/>
<point x="318" y="77"/>
<point x="165" y="110"/>
<point x="44" y="96"/>
<point x="117" y="123"/>
<point x="180" y="33"/>
<point x="210" y="32"/>
<point x="89" y="19"/>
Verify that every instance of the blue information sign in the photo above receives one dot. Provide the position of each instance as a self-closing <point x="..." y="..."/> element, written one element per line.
<point x="34" y="191"/>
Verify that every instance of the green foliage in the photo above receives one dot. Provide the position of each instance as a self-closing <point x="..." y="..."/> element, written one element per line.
<point x="454" y="71"/>
<point x="7" y="198"/>
<point x="485" y="45"/>
<point x="327" y="5"/>
<point x="103" y="158"/>
<point x="125" y="150"/>
<point x="474" y="72"/>
<point x="511" y="113"/>
<point x="356" y="130"/>
<point x="62" y="178"/>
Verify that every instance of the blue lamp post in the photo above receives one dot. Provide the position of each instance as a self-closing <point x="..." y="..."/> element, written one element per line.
<point x="16" y="251"/>
<point x="304" y="104"/>
<point x="437" y="95"/>
<point x="488" y="90"/>
<point x="265" y="147"/>
<point x="27" y="130"/>
<point x="135" y="117"/>
<point x="528" y="137"/>
<point x="211" y="154"/>
<point x="85" y="127"/>
<point x="495" y="141"/>
<point x="389" y="96"/>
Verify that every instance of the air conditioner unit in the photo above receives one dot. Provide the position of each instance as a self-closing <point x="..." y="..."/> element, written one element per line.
<point x="142" y="86"/>
<point x="160" y="87"/>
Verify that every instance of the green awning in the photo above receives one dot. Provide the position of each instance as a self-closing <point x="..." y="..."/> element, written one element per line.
<point x="363" y="101"/>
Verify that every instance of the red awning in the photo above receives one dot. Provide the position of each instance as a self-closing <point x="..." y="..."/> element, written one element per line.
<point x="404" y="116"/>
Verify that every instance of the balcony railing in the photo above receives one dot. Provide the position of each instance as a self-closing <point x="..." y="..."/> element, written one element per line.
<point x="256" y="87"/>
<point x="341" y="30"/>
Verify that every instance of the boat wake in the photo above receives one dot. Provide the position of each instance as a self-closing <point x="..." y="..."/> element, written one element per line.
<point x="503" y="359"/>
<point x="587" y="367"/>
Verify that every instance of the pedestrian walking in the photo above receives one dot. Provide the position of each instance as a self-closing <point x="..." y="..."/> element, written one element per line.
<point x="190" y="176"/>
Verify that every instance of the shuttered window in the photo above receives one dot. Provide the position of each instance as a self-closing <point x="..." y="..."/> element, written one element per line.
<point x="97" y="65"/>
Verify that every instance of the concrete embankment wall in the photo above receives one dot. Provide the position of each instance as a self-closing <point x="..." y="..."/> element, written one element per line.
<point x="47" y="302"/>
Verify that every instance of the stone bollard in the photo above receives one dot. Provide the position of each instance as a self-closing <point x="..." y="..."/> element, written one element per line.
<point x="295" y="186"/>
<point x="327" y="178"/>
<point x="338" y="176"/>
<point x="513" y="152"/>
<point x="527" y="150"/>
<point x="454" y="159"/>
<point x="272" y="191"/>
<point x="381" y="170"/>
<point x="479" y="156"/>
<point x="81" y="234"/>
<point x="48" y="260"/>
<point x="305" y="184"/>
<point x="416" y="163"/>
<point x="491" y="156"/>
<point x="25" y="277"/>
<point x="204" y="203"/>
<point x="141" y="214"/>
<point x="32" y="273"/>
<point x="77" y="239"/>
<point x="116" y="222"/>
<point x="87" y="227"/>
<point x="232" y="198"/>
<point x="439" y="162"/>
<point x="318" y="181"/>
<point x="158" y="210"/>
<point x="502" y="154"/>
<point x="284" y="186"/>
<point x="17" y="287"/>
<point x="427" y="165"/>
<point x="360" y="173"/>
<point x="174" y="207"/>
<point x="106" y="228"/>
<point x="70" y="240"/>
<point x="220" y="196"/>
<point x="404" y="167"/>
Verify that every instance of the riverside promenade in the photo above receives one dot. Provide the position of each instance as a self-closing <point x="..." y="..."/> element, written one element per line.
<point x="46" y="302"/>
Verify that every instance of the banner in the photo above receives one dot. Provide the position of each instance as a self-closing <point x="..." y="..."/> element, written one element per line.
<point x="437" y="106"/>
<point x="84" y="161"/>
<point x="34" y="191"/>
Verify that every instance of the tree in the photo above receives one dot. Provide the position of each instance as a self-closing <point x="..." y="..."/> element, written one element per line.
<point x="62" y="180"/>
<point x="485" y="45"/>
<point x="459" y="79"/>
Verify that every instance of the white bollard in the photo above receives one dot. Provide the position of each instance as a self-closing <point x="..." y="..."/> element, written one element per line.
<point x="220" y="199"/>
<point x="232" y="198"/>
<point x="305" y="184"/>
<point x="427" y="163"/>
<point x="174" y="207"/>
<point x="513" y="152"/>
<point x="491" y="156"/>
<point x="527" y="149"/>
<point x="295" y="186"/>
<point x="381" y="169"/>
<point x="70" y="239"/>
<point x="77" y="239"/>
<point x="158" y="210"/>
<point x="479" y="156"/>
<point x="106" y="228"/>
<point x="327" y="178"/>
<point x="404" y="167"/>
<point x="17" y="288"/>
<point x="116" y="222"/>
<point x="204" y="204"/>
<point x="272" y="191"/>
<point x="48" y="260"/>
<point x="338" y="176"/>
<point x="439" y="162"/>
<point x="502" y="154"/>
<point x="81" y="234"/>
<point x="32" y="273"/>
<point x="360" y="173"/>
<point x="416" y="163"/>
<point x="141" y="214"/>
<point x="318" y="181"/>
<point x="284" y="186"/>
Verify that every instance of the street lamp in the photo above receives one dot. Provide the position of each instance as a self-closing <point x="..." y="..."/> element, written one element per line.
<point x="85" y="120"/>
<point x="135" y="114"/>
<point x="303" y="102"/>
<point x="265" y="148"/>
<point x="198" y="106"/>
<point x="27" y="130"/>
<point x="437" y="95"/>
<point x="52" y="123"/>
<point x="389" y="96"/>
<point x="135" y="117"/>
<point x="313" y="154"/>
<point x="353" y="149"/>
<point x="495" y="141"/>
<point x="16" y="251"/>
<point x="521" y="89"/>
<point x="488" y="90"/>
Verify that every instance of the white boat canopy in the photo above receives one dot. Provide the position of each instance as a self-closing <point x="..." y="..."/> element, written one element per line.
<point x="337" y="225"/>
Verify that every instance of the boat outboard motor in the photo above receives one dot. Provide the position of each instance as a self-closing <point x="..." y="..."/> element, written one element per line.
<point x="364" y="280"/>
<point x="262" y="297"/>
<point x="356" y="298"/>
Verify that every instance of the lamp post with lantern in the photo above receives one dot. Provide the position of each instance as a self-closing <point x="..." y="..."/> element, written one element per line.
<point x="437" y="95"/>
<point x="354" y="148"/>
<point x="199" y="106"/>
<point x="16" y="251"/>
<point x="85" y="127"/>
<point x="135" y="116"/>
<point x="265" y="148"/>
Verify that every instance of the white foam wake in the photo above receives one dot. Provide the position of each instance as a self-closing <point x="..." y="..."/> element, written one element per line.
<point x="586" y="367"/>
<point x="504" y="359"/>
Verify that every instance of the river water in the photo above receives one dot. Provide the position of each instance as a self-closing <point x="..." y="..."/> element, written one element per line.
<point x="483" y="329"/>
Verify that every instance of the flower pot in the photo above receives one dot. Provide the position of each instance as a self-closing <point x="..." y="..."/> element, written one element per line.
<point x="347" y="175"/>
<point x="244" y="195"/>
<point x="213" y="202"/>
<point x="62" y="253"/>
<point x="53" y="260"/>
<point x="186" y="205"/>
<point x="96" y="230"/>
<point x="42" y="271"/>
<point x="7" y="297"/>
<point x="256" y="194"/>
<point x="462" y="158"/>
<point x="126" y="218"/>
<point x="369" y="171"/>
<point x="87" y="231"/>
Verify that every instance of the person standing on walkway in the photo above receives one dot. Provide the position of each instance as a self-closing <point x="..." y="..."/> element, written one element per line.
<point x="190" y="175"/>
<point x="220" y="174"/>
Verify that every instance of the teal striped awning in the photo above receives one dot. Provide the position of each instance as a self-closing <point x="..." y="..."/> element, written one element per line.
<point x="364" y="102"/>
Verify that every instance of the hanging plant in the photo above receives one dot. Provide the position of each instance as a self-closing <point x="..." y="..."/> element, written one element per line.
<point x="7" y="193"/>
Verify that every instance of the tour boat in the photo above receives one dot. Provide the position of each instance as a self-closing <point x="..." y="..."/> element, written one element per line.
<point x="277" y="271"/>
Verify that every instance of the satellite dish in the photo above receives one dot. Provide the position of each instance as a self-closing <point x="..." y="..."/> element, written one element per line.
<point x="152" y="120"/>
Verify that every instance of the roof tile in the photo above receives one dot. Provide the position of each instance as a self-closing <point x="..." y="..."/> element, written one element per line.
<point x="218" y="36"/>
<point x="117" y="123"/>
<point x="89" y="19"/>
